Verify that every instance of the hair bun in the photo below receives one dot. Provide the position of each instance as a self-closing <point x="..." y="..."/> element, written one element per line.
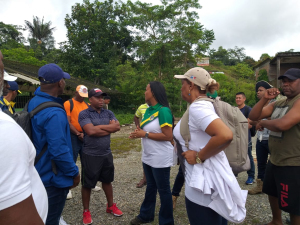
<point x="211" y="81"/>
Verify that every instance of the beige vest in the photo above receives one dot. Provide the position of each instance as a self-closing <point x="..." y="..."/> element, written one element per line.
<point x="285" y="146"/>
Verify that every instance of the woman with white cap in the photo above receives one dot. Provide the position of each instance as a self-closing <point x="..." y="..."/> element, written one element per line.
<point x="209" y="136"/>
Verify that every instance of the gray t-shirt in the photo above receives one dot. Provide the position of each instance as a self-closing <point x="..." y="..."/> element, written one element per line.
<point x="96" y="146"/>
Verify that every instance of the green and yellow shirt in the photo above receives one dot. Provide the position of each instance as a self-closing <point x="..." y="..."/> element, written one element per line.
<point x="157" y="154"/>
<point x="164" y="115"/>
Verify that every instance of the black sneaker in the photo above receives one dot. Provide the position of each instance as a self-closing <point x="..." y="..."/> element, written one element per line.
<point x="137" y="221"/>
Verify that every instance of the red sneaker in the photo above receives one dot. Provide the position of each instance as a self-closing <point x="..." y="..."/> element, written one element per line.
<point x="114" y="210"/>
<point x="87" y="218"/>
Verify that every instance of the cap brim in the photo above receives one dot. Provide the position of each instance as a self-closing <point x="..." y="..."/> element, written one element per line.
<point x="180" y="77"/>
<point x="8" y="77"/>
<point x="99" y="94"/>
<point x="66" y="75"/>
<point x="288" y="76"/>
<point x="84" y="95"/>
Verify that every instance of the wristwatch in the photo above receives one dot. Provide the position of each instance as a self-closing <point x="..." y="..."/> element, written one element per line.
<point x="198" y="160"/>
<point x="147" y="134"/>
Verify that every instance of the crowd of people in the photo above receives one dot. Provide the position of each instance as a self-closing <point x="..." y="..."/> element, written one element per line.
<point x="38" y="172"/>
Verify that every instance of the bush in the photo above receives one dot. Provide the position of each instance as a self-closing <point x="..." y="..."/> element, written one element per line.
<point x="23" y="56"/>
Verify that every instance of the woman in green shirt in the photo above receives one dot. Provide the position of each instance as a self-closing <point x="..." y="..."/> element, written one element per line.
<point x="158" y="155"/>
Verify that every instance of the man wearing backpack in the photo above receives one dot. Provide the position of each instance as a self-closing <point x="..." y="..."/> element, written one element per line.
<point x="50" y="128"/>
<point x="240" y="99"/>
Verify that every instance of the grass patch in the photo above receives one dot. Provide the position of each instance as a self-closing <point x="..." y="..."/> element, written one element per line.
<point x="125" y="118"/>
<point x="122" y="145"/>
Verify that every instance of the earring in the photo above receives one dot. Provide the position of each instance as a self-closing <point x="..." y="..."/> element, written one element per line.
<point x="189" y="92"/>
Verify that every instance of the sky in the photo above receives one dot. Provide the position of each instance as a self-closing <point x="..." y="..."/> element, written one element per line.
<point x="267" y="26"/>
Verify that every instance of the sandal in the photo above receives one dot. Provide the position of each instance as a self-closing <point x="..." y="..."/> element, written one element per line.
<point x="141" y="184"/>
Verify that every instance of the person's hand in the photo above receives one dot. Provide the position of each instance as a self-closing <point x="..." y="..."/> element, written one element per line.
<point x="190" y="156"/>
<point x="259" y="127"/>
<point x="80" y="136"/>
<point x="138" y="133"/>
<point x="112" y="121"/>
<point x="271" y="93"/>
<point x="76" y="181"/>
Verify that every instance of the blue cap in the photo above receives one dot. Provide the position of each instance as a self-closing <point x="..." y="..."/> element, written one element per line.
<point x="52" y="73"/>
<point x="13" y="86"/>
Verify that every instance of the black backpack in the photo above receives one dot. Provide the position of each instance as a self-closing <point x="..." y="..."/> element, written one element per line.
<point x="23" y="118"/>
<point x="72" y="104"/>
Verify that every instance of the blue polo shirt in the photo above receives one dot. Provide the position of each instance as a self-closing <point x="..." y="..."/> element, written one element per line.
<point x="96" y="146"/>
<point x="51" y="125"/>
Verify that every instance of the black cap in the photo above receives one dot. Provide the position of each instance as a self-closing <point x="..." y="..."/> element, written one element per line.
<point x="96" y="92"/>
<point x="292" y="74"/>
<point x="263" y="84"/>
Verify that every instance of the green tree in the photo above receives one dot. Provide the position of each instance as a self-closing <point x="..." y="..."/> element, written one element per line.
<point x="97" y="41"/>
<point x="264" y="56"/>
<point x="40" y="35"/>
<point x="263" y="75"/>
<point x="11" y="36"/>
<point x="249" y="61"/>
<point x="167" y="34"/>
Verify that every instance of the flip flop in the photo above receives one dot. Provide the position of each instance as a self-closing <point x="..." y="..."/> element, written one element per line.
<point x="141" y="184"/>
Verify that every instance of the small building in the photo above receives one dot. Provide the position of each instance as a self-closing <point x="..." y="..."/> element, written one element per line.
<point x="278" y="65"/>
<point x="203" y="61"/>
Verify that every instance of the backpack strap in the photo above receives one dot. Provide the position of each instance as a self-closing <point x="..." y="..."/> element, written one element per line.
<point x="86" y="103"/>
<point x="45" y="105"/>
<point x="32" y="113"/>
<point x="184" y="124"/>
<point x="71" y="105"/>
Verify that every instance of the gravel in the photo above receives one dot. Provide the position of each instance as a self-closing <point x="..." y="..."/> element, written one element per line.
<point x="128" y="172"/>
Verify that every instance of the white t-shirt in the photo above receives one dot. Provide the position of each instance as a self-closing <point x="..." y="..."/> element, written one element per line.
<point x="201" y="114"/>
<point x="19" y="178"/>
<point x="158" y="154"/>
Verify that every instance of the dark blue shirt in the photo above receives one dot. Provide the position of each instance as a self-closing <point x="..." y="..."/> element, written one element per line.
<point x="246" y="110"/>
<point x="96" y="146"/>
<point x="51" y="125"/>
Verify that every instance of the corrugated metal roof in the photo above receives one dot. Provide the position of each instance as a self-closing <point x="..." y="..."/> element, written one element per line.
<point x="25" y="78"/>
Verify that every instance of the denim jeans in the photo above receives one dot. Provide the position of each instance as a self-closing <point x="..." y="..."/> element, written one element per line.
<point x="56" y="202"/>
<point x="158" y="179"/>
<point x="77" y="146"/>
<point x="201" y="215"/>
<point x="251" y="172"/>
<point x="262" y="152"/>
<point x="179" y="181"/>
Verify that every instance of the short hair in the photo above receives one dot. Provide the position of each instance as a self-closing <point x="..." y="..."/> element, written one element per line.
<point x="240" y="93"/>
<point x="106" y="97"/>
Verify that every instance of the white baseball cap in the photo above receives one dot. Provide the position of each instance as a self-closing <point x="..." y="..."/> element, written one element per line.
<point x="82" y="91"/>
<point x="8" y="77"/>
<point x="198" y="76"/>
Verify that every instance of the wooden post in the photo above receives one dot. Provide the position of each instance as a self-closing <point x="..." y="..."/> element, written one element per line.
<point x="278" y="71"/>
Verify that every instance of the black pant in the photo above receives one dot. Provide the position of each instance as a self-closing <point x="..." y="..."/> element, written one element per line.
<point x="262" y="152"/>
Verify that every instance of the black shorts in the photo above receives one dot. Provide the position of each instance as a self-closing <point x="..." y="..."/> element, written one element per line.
<point x="283" y="182"/>
<point x="96" y="168"/>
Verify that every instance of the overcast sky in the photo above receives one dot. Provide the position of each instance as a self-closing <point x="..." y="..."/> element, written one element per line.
<point x="260" y="26"/>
